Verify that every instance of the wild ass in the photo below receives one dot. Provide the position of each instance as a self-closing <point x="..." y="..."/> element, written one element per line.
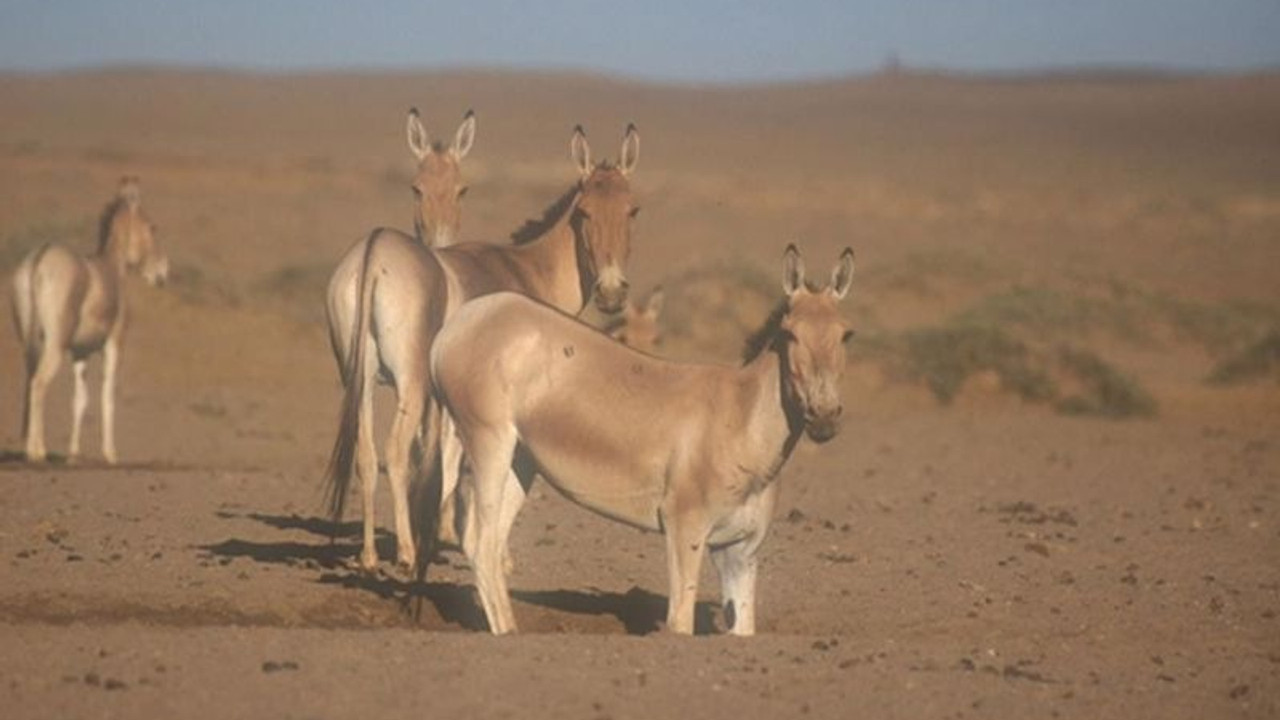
<point x="576" y="251"/>
<point x="438" y="189"/>
<point x="689" y="450"/>
<point x="66" y="303"/>
<point x="638" y="327"/>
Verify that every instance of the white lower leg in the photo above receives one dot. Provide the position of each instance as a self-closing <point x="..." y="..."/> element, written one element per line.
<point x="110" y="363"/>
<point x="79" y="403"/>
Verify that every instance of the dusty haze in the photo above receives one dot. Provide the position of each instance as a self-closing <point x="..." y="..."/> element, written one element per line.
<point x="971" y="545"/>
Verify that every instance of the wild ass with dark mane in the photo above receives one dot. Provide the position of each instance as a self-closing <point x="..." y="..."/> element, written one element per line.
<point x="578" y="250"/>
<point x="65" y="303"/>
<point x="689" y="450"/>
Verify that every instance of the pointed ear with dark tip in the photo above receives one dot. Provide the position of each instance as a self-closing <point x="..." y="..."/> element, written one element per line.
<point x="654" y="305"/>
<point x="580" y="151"/>
<point x="792" y="270"/>
<point x="842" y="275"/>
<point x="630" y="153"/>
<point x="465" y="137"/>
<point x="419" y="141"/>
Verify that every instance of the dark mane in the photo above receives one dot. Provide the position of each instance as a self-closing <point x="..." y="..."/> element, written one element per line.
<point x="535" y="228"/>
<point x="104" y="221"/>
<point x="762" y="339"/>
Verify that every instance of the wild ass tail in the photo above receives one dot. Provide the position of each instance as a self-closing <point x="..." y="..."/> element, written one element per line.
<point x="342" y="458"/>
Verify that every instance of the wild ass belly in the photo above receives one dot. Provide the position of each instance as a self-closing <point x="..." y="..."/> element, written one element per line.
<point x="612" y="481"/>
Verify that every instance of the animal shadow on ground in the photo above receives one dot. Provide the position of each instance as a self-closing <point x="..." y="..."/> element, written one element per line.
<point x="640" y="611"/>
<point x="337" y="556"/>
<point x="16" y="460"/>
<point x="336" y="553"/>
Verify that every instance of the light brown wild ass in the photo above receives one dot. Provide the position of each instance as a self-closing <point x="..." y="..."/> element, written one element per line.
<point x="638" y="326"/>
<point x="690" y="450"/>
<point x="438" y="189"/>
<point x="577" y="251"/>
<point x="66" y="303"/>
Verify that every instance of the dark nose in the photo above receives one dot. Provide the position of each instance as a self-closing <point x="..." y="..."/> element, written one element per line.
<point x="610" y="300"/>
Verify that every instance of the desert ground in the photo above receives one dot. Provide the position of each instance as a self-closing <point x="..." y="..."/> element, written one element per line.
<point x="1056" y="492"/>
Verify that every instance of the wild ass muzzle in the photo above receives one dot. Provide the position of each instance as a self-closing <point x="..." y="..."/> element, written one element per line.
<point x="689" y="450"/>
<point x="65" y="303"/>
<point x="577" y="251"/>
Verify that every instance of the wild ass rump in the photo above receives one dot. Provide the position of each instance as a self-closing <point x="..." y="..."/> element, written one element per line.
<point x="689" y="450"/>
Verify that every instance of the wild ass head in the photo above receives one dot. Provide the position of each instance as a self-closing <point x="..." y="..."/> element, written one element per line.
<point x="603" y="214"/>
<point x="437" y="186"/>
<point x="638" y="326"/>
<point x="124" y="222"/>
<point x="812" y="336"/>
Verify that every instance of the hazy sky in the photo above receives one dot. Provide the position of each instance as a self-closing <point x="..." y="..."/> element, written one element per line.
<point x="656" y="39"/>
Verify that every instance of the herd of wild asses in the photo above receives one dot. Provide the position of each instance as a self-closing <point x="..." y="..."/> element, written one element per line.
<point x="496" y="380"/>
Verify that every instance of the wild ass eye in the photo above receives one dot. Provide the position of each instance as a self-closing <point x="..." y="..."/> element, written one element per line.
<point x="417" y="191"/>
<point x="847" y="336"/>
<point x="462" y="191"/>
<point x="634" y="211"/>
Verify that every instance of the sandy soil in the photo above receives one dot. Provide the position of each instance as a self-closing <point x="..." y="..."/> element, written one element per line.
<point x="989" y="558"/>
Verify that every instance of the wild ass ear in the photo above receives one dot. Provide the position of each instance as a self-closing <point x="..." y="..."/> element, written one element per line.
<point x="630" y="153"/>
<point x="580" y="151"/>
<point x="419" y="142"/>
<point x="653" y="307"/>
<point x="466" y="136"/>
<point x="842" y="275"/>
<point x="792" y="270"/>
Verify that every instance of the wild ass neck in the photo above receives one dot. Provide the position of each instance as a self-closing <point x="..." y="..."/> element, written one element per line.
<point x="775" y="423"/>
<point x="562" y="259"/>
<point x="119" y="224"/>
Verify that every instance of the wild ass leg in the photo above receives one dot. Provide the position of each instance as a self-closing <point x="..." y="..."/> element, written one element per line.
<point x="513" y="497"/>
<point x="737" y="564"/>
<point x="483" y="537"/>
<point x="37" y="388"/>
<point x="686" y="534"/>
<point x="451" y="467"/>
<point x="367" y="465"/>
<point x="405" y="431"/>
<point x="110" y="363"/>
<point x="79" y="403"/>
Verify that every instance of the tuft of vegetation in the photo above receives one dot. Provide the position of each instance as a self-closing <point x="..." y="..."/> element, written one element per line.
<point x="944" y="358"/>
<point x="1256" y="361"/>
<point x="1051" y="313"/>
<point x="1106" y="391"/>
